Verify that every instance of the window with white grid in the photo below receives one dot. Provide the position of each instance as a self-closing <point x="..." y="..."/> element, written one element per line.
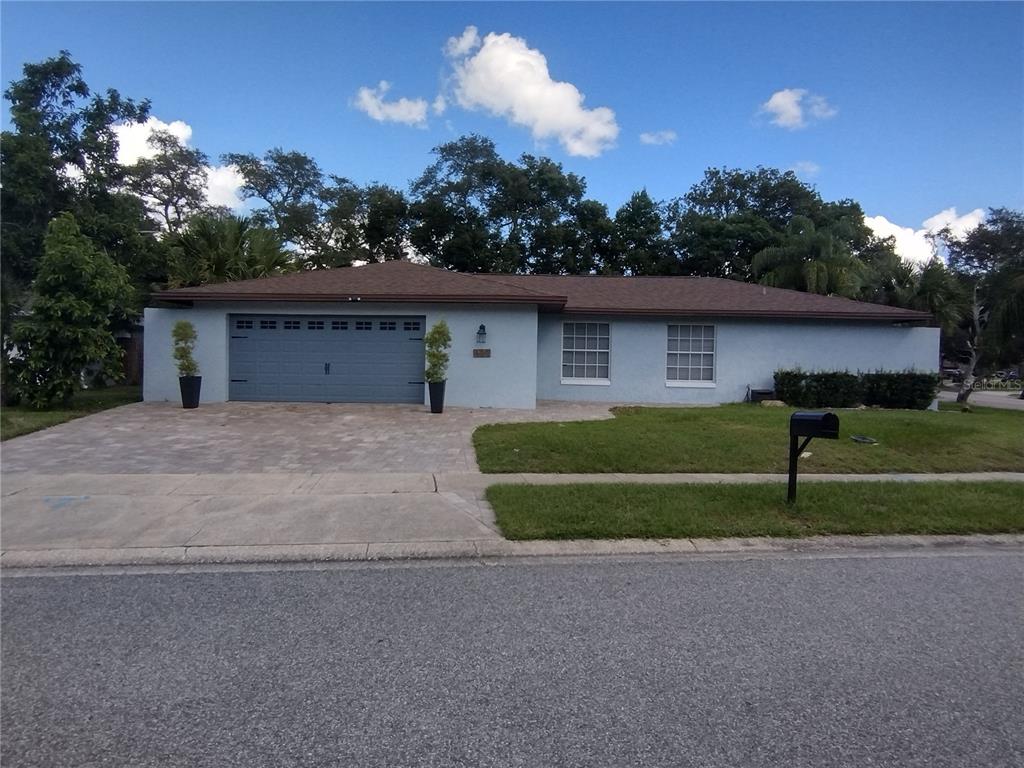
<point x="691" y="353"/>
<point x="585" y="350"/>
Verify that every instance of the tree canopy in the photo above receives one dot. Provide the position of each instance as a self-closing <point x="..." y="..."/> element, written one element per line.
<point x="77" y="292"/>
<point x="989" y="263"/>
<point x="470" y="210"/>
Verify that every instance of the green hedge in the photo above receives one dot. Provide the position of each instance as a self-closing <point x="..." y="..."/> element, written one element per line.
<point x="900" y="390"/>
<point x="841" y="389"/>
<point x="832" y="389"/>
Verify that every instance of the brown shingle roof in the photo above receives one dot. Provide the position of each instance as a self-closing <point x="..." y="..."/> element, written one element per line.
<point x="389" y="281"/>
<point x="403" y="281"/>
<point x="698" y="296"/>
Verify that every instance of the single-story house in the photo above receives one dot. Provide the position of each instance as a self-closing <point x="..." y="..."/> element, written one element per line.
<point x="355" y="334"/>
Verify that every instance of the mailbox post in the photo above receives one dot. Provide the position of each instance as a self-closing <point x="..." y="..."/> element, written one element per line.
<point x="808" y="426"/>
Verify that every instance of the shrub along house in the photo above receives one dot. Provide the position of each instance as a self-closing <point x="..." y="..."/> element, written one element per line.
<point x="356" y="335"/>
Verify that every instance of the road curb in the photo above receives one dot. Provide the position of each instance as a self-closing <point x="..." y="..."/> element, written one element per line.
<point x="483" y="549"/>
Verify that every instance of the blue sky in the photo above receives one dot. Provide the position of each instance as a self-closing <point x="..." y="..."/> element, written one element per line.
<point x="920" y="107"/>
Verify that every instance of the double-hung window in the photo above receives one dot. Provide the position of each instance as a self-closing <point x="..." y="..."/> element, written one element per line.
<point x="585" y="350"/>
<point x="691" y="356"/>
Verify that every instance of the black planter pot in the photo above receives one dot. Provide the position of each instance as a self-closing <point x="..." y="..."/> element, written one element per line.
<point x="436" y="396"/>
<point x="190" y="390"/>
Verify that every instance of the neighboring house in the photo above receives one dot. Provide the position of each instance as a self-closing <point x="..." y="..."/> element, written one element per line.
<point x="356" y="335"/>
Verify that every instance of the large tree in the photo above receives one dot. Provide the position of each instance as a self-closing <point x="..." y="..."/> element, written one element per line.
<point x="77" y="290"/>
<point x="368" y="223"/>
<point x="171" y="183"/>
<point x="457" y="209"/>
<point x="548" y="210"/>
<point x="291" y="186"/>
<point x="732" y="215"/>
<point x="60" y="156"/>
<point x="593" y="234"/>
<point x="641" y="246"/>
<point x="990" y="261"/>
<point x="476" y="212"/>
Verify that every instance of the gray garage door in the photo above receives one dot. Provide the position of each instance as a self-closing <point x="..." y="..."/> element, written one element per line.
<point x="326" y="358"/>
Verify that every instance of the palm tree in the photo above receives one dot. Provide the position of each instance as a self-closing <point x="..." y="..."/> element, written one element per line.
<point x="218" y="249"/>
<point x="812" y="260"/>
<point x="937" y="290"/>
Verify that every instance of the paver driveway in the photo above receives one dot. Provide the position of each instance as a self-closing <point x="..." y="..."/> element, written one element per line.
<point x="269" y="437"/>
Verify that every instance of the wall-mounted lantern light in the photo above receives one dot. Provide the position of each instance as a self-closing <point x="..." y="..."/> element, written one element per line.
<point x="481" y="334"/>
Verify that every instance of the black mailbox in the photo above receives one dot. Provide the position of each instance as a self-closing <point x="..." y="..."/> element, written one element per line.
<point x="806" y="424"/>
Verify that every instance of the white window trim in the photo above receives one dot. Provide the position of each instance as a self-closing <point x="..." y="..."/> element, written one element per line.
<point x="693" y="383"/>
<point x="586" y="382"/>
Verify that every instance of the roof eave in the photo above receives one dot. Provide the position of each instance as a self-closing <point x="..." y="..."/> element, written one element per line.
<point x="194" y="296"/>
<point x="909" y="316"/>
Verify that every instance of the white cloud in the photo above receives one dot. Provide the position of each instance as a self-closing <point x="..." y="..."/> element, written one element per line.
<point x="795" y="108"/>
<point x="507" y="78"/>
<point x="222" y="184"/>
<point x="133" y="138"/>
<point x="913" y="244"/>
<point x="440" y="104"/>
<point x="223" y="181"/>
<point x="806" y="168"/>
<point x="405" y="111"/>
<point x="958" y="225"/>
<point x="457" y="47"/>
<point x="819" y="107"/>
<point x="658" y="137"/>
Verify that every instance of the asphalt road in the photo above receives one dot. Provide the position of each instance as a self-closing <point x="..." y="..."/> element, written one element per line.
<point x="895" y="661"/>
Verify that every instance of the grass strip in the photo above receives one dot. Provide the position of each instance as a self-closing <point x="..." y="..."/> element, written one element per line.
<point x="617" y="510"/>
<point x="751" y="438"/>
<point x="20" y="420"/>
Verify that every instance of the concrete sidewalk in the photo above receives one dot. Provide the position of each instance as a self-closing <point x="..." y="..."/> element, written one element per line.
<point x="357" y="483"/>
<point x="86" y="519"/>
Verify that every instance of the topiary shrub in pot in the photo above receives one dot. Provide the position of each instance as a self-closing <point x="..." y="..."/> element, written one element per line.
<point x="438" y="340"/>
<point x="184" y="335"/>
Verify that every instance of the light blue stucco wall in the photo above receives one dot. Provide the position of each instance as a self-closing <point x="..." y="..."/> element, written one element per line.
<point x="508" y="378"/>
<point x="159" y="373"/>
<point x="525" y="362"/>
<point x="748" y="353"/>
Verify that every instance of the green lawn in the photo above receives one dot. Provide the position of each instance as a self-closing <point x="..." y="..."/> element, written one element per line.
<point x="615" y="511"/>
<point x="751" y="438"/>
<point x="20" y="420"/>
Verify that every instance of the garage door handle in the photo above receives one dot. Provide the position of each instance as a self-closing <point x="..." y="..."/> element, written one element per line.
<point x="327" y="369"/>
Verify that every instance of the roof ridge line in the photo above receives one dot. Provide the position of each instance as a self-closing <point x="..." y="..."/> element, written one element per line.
<point x="495" y="277"/>
<point x="489" y="277"/>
